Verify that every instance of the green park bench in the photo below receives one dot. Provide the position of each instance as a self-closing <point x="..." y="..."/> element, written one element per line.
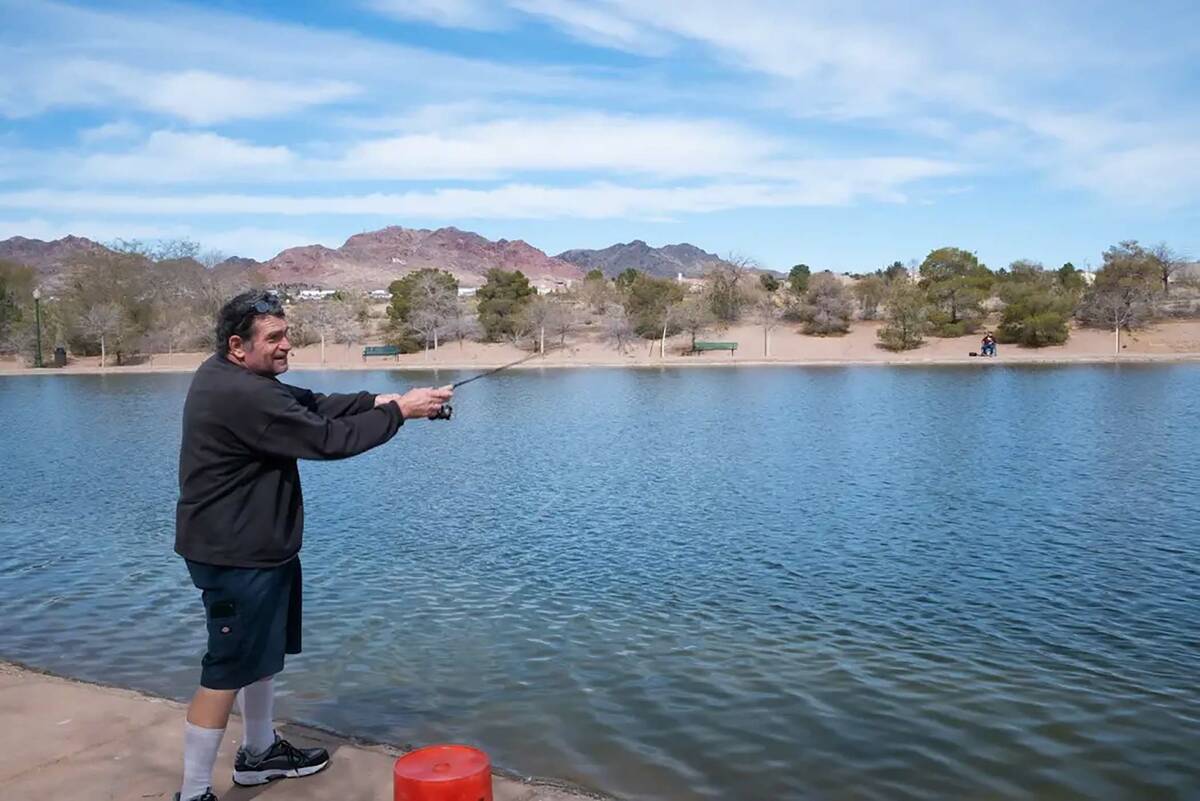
<point x="700" y="347"/>
<point x="381" y="350"/>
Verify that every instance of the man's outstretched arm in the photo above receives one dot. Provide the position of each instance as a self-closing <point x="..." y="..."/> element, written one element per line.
<point x="334" y="405"/>
<point x="295" y="431"/>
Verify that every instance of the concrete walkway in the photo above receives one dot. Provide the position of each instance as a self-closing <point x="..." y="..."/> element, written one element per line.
<point x="69" y="741"/>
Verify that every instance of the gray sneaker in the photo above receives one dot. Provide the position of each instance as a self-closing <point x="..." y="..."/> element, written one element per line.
<point x="207" y="795"/>
<point x="281" y="761"/>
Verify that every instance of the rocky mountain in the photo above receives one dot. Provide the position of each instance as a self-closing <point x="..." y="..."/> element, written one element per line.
<point x="48" y="259"/>
<point x="665" y="262"/>
<point x="374" y="259"/>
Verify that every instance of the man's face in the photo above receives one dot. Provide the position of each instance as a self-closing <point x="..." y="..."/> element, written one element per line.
<point x="266" y="352"/>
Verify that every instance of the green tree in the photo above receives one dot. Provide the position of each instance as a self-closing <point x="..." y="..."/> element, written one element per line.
<point x="769" y="282"/>
<point x="16" y="290"/>
<point x="626" y="279"/>
<point x="895" y="270"/>
<point x="1037" y="312"/>
<point x="1070" y="279"/>
<point x="646" y="301"/>
<point x="594" y="275"/>
<point x="797" y="279"/>
<point x="907" y="317"/>
<point x="400" y="310"/>
<point x="501" y="301"/>
<point x="956" y="283"/>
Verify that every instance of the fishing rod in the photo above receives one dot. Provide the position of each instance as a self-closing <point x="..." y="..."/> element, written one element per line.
<point x="447" y="410"/>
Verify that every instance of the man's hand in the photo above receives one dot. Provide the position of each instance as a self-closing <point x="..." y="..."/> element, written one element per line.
<point x="421" y="402"/>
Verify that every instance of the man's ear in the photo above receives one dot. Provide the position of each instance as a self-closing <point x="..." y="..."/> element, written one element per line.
<point x="237" y="347"/>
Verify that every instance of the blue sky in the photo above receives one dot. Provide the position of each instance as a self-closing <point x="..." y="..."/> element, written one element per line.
<point x="845" y="135"/>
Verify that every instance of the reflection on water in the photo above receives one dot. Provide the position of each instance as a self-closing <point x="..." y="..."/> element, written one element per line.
<point x="855" y="583"/>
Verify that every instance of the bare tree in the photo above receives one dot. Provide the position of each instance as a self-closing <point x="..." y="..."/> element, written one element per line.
<point x="102" y="321"/>
<point x="1124" y="304"/>
<point x="618" y="328"/>
<point x="1168" y="263"/>
<point x="211" y="258"/>
<point x="870" y="292"/>
<point x="463" y="322"/>
<point x="725" y="286"/>
<point x="597" y="294"/>
<point x="185" y="331"/>
<point x="692" y="315"/>
<point x="563" y="320"/>
<point x="158" y="250"/>
<point x="325" y="320"/>
<point x="522" y="333"/>
<point x="433" y="306"/>
<point x="1125" y="291"/>
<point x="767" y="313"/>
<point x="538" y="314"/>
<point x="827" y="306"/>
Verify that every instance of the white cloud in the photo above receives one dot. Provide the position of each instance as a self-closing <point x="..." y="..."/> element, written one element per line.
<point x="207" y="66"/>
<point x="820" y="184"/>
<point x="110" y="131"/>
<point x="591" y="23"/>
<point x="196" y="96"/>
<point x="576" y="143"/>
<point x="655" y="148"/>
<point x="169" y="156"/>
<point x="475" y="14"/>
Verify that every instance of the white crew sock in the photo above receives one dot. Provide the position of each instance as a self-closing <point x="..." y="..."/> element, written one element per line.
<point x="257" y="703"/>
<point x="200" y="746"/>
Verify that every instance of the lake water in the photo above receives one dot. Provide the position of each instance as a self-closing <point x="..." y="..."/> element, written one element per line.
<point x="858" y="583"/>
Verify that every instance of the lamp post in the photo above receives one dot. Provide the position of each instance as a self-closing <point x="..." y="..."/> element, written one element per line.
<point x="37" y="313"/>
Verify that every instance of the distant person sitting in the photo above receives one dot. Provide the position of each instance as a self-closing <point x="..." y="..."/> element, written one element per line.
<point x="988" y="348"/>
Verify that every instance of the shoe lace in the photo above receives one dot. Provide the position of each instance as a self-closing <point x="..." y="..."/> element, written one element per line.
<point x="291" y="752"/>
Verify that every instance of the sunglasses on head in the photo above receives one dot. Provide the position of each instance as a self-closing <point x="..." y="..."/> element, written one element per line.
<point x="265" y="305"/>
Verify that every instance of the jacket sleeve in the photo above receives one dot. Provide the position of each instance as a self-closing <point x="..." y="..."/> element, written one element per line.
<point x="333" y="405"/>
<point x="291" y="429"/>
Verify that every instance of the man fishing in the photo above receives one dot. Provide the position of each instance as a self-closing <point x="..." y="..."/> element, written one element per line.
<point x="239" y="523"/>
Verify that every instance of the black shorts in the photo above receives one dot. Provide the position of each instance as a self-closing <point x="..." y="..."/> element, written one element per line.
<point x="253" y="617"/>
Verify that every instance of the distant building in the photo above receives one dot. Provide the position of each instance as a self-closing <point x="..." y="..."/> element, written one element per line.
<point x="467" y="291"/>
<point x="380" y="294"/>
<point x="316" y="294"/>
<point x="690" y="284"/>
<point x="552" y="286"/>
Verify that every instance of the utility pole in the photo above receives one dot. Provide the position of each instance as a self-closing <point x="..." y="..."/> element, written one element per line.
<point x="37" y="313"/>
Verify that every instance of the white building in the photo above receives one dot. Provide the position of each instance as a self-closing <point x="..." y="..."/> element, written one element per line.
<point x="315" y="294"/>
<point x="380" y="294"/>
<point x="467" y="291"/>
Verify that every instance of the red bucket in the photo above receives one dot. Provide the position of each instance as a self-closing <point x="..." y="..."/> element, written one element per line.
<point x="443" y="773"/>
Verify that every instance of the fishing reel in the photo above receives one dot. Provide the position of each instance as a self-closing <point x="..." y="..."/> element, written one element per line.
<point x="443" y="412"/>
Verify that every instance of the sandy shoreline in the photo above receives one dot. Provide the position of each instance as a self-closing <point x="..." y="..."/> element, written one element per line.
<point x="1165" y="343"/>
<point x="66" y="739"/>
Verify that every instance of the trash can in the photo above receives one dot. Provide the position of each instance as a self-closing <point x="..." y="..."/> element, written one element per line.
<point x="60" y="357"/>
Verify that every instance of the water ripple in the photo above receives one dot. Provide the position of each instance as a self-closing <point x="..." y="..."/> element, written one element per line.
<point x="826" y="584"/>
